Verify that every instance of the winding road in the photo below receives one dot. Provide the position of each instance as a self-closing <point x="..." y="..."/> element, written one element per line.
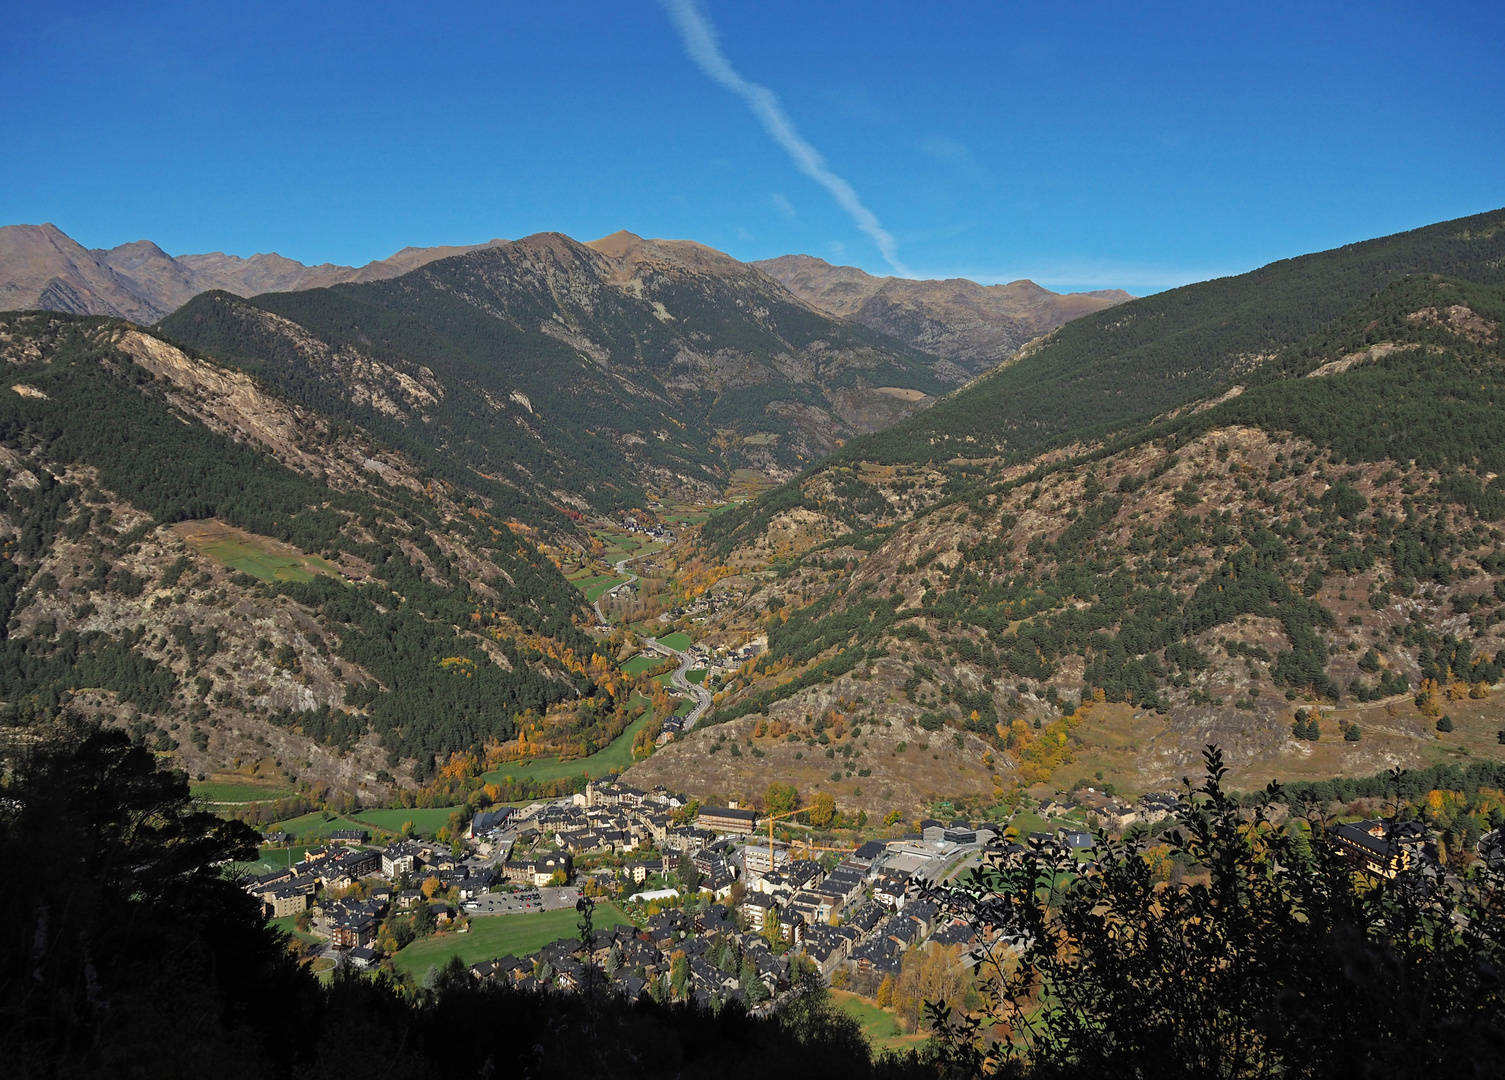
<point x="620" y="566"/>
<point x="699" y="694"/>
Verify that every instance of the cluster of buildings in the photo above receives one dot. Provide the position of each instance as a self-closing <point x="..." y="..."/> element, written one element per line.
<point x="1105" y="811"/>
<point x="629" y="523"/>
<point x="860" y="914"/>
<point x="857" y="910"/>
<point x="717" y="960"/>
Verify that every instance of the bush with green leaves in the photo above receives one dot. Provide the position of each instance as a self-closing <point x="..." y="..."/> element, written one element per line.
<point x="1272" y="957"/>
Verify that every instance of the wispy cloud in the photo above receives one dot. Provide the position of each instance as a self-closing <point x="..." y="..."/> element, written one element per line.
<point x="703" y="47"/>
<point x="781" y="204"/>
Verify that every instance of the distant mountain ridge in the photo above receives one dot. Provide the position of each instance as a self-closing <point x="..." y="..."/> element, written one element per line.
<point x="971" y="327"/>
<point x="974" y="326"/>
<point x="579" y="372"/>
<point x="41" y="267"/>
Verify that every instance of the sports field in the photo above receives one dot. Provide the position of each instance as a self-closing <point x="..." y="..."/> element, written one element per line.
<point x="495" y="936"/>
<point x="678" y="641"/>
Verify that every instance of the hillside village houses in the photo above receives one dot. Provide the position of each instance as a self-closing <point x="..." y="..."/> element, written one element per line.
<point x="856" y="911"/>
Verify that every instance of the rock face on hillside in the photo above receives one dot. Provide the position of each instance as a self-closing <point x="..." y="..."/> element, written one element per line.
<point x="975" y="326"/>
<point x="42" y="267"/>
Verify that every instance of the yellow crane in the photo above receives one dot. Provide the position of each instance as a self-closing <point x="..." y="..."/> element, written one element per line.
<point x="804" y="844"/>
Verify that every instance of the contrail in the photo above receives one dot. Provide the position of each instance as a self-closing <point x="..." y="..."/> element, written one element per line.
<point x="702" y="46"/>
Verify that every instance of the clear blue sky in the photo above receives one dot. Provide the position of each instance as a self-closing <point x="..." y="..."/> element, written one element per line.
<point x="1081" y="145"/>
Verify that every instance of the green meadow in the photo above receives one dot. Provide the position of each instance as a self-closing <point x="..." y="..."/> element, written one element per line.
<point x="600" y="586"/>
<point x="616" y="756"/>
<point x="427" y="821"/>
<point x="494" y="936"/>
<point x="212" y="791"/>
<point x="313" y="825"/>
<point x="879" y="1025"/>
<point x="266" y="565"/>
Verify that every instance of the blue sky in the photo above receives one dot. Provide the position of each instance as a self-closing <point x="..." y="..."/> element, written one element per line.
<point x="1083" y="146"/>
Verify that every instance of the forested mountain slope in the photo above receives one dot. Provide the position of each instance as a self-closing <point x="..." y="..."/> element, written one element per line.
<point x="973" y="325"/>
<point x="1329" y="540"/>
<point x="1134" y="361"/>
<point x="578" y="373"/>
<point x="234" y="575"/>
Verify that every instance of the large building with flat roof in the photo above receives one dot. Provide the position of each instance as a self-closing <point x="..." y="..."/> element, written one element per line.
<point x="727" y="819"/>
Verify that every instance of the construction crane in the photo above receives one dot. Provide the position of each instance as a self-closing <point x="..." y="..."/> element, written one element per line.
<point x="779" y="817"/>
<point x="805" y="845"/>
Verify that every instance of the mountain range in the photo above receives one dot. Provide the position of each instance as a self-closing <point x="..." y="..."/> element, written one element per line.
<point x="328" y="526"/>
<point x="971" y="324"/>
<point x="974" y="326"/>
<point x="42" y="267"/>
<point x="1218" y="514"/>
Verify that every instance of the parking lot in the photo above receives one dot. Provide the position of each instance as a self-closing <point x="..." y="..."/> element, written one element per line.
<point x="522" y="903"/>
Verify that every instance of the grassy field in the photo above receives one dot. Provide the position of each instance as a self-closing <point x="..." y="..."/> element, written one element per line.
<point x="275" y="858"/>
<point x="267" y="566"/>
<point x="495" y="936"/>
<point x="641" y="663"/>
<point x="676" y="640"/>
<point x="616" y="756"/>
<point x="260" y="556"/>
<point x="619" y="545"/>
<point x="695" y="676"/>
<point x="237" y="793"/>
<point x="603" y="585"/>
<point x="285" y="924"/>
<point x="879" y="1025"/>
<point x="315" y="825"/>
<point x="426" y="821"/>
<point x="1027" y="822"/>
